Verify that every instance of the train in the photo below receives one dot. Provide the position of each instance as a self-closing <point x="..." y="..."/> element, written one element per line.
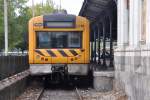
<point x="59" y="43"/>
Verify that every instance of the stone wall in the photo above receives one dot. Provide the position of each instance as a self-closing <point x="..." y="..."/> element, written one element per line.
<point x="13" y="76"/>
<point x="132" y="72"/>
<point x="13" y="90"/>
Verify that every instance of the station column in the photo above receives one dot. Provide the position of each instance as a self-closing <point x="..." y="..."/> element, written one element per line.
<point x="148" y="23"/>
<point x="128" y="59"/>
<point x="122" y="33"/>
<point x="135" y="23"/>
<point x="122" y="40"/>
<point x="148" y="36"/>
<point x="104" y="67"/>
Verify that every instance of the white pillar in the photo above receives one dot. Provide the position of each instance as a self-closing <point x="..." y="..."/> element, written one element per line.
<point x="148" y="23"/>
<point x="131" y="14"/>
<point x="119" y="22"/>
<point x="135" y="22"/>
<point x="33" y="10"/>
<point x="122" y="23"/>
<point x="6" y="26"/>
<point x="148" y="36"/>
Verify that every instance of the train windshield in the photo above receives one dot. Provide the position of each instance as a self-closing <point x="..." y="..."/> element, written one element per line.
<point x="50" y="40"/>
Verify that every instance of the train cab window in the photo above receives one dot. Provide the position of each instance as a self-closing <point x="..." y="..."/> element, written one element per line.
<point x="43" y="40"/>
<point x="74" y="40"/>
<point x="52" y="40"/>
<point x="59" y="40"/>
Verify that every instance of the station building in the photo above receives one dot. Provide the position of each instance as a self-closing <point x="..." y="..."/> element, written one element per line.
<point x="128" y="23"/>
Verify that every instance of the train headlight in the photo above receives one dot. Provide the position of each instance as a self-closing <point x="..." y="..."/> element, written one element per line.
<point x="71" y="59"/>
<point x="76" y="58"/>
<point x="46" y="59"/>
<point x="37" y="57"/>
<point x="42" y="58"/>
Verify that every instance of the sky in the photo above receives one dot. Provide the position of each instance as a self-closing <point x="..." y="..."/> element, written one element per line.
<point x="72" y="6"/>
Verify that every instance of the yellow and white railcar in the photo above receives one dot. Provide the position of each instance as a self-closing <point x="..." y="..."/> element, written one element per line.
<point x="59" y="42"/>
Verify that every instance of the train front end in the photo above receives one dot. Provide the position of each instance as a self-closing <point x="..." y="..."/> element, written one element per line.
<point x="59" y="43"/>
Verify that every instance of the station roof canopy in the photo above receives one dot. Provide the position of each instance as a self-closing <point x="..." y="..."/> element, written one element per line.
<point x="93" y="9"/>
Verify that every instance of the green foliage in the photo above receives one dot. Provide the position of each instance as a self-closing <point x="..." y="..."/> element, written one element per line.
<point x="41" y="9"/>
<point x="18" y="16"/>
<point x="1" y="24"/>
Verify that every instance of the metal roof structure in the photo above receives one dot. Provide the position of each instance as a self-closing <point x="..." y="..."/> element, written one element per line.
<point x="101" y="11"/>
<point x="102" y="15"/>
<point x="94" y="9"/>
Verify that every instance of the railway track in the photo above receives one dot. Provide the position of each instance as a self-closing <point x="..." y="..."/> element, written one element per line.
<point x="40" y="93"/>
<point x="31" y="93"/>
<point x="59" y="94"/>
<point x="78" y="94"/>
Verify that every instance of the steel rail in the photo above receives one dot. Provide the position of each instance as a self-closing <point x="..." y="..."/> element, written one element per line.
<point x="78" y="93"/>
<point x="41" y="94"/>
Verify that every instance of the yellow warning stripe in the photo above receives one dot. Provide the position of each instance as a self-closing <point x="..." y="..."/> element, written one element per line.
<point x="59" y="52"/>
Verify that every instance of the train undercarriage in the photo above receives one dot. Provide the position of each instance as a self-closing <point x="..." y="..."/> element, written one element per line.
<point x="66" y="73"/>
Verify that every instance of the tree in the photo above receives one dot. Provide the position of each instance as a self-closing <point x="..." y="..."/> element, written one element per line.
<point x="26" y="14"/>
<point x="1" y="25"/>
<point x="45" y="8"/>
<point x="18" y="16"/>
